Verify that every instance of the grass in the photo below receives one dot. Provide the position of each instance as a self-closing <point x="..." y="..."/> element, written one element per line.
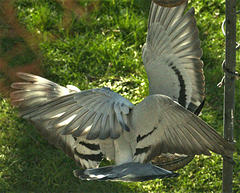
<point x="93" y="44"/>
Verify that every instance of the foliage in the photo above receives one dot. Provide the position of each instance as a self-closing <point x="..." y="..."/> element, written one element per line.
<point x="95" y="44"/>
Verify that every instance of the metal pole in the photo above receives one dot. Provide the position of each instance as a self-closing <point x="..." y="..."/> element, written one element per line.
<point x="229" y="89"/>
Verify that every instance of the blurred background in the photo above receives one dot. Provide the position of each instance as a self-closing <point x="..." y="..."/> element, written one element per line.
<point x="91" y="44"/>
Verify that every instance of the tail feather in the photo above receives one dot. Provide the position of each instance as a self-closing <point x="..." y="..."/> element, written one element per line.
<point x="128" y="172"/>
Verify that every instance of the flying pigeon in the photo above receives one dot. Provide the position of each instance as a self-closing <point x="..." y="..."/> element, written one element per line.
<point x="92" y="124"/>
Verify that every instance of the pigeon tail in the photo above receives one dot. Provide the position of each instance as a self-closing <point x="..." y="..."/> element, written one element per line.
<point x="128" y="172"/>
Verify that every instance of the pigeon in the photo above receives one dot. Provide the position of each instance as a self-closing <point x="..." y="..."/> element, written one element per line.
<point x="99" y="123"/>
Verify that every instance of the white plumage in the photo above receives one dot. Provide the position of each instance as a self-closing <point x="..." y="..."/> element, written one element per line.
<point x="89" y="125"/>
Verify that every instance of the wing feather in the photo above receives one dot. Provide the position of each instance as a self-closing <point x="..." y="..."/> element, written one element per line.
<point x="85" y="125"/>
<point x="172" y="47"/>
<point x="71" y="119"/>
<point x="48" y="114"/>
<point x="94" y="132"/>
<point x="27" y="103"/>
<point x="71" y="112"/>
<point x="105" y="128"/>
<point x="74" y="124"/>
<point x="176" y="130"/>
<point x="94" y="113"/>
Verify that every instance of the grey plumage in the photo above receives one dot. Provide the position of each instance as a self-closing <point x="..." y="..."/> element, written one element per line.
<point x="89" y="125"/>
<point x="128" y="172"/>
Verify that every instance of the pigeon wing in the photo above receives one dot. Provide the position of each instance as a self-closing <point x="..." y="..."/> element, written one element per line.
<point x="71" y="119"/>
<point x="167" y="127"/>
<point x="171" y="56"/>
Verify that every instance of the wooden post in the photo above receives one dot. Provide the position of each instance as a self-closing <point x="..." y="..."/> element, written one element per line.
<point x="229" y="89"/>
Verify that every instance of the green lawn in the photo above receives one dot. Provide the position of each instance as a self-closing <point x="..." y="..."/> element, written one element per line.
<point x="93" y="44"/>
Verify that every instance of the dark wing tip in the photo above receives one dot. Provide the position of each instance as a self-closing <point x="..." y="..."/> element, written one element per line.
<point x="199" y="108"/>
<point x="124" y="126"/>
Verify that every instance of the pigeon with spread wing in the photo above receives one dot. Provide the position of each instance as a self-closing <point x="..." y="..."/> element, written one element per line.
<point x="93" y="124"/>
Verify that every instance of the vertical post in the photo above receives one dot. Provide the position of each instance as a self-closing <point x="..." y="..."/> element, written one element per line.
<point x="229" y="89"/>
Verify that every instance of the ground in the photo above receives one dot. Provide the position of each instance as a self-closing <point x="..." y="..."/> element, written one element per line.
<point x="92" y="44"/>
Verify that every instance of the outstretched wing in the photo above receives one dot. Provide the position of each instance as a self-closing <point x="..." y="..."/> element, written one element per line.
<point x="71" y="119"/>
<point x="167" y="127"/>
<point x="37" y="90"/>
<point x="93" y="112"/>
<point x="171" y="56"/>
